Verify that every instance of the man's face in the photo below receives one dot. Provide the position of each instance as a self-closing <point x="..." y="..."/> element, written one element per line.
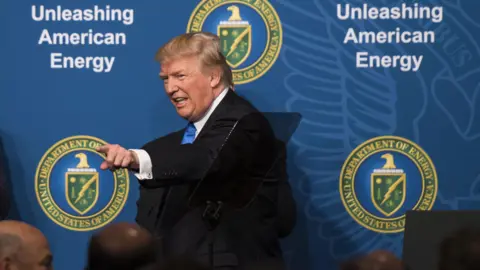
<point x="33" y="255"/>
<point x="191" y="91"/>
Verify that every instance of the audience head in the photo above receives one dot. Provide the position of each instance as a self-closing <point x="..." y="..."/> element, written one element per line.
<point x="460" y="251"/>
<point x="23" y="247"/>
<point x="121" y="246"/>
<point x="386" y="260"/>
<point x="377" y="260"/>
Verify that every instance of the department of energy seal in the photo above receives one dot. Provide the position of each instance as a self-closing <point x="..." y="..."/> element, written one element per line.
<point x="383" y="178"/>
<point x="73" y="191"/>
<point x="250" y="34"/>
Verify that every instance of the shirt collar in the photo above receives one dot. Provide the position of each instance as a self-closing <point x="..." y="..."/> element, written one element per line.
<point x="200" y="123"/>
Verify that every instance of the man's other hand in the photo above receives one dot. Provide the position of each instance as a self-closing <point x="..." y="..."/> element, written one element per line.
<point x="117" y="157"/>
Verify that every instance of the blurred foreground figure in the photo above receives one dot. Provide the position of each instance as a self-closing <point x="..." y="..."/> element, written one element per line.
<point x="461" y="251"/>
<point x="23" y="247"/>
<point x="121" y="246"/>
<point x="268" y="264"/>
<point x="377" y="260"/>
<point x="182" y="263"/>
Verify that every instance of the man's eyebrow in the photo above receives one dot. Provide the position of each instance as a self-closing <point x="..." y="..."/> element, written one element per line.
<point x="174" y="73"/>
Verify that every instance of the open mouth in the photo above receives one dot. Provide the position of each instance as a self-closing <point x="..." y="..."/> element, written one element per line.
<point x="179" y="101"/>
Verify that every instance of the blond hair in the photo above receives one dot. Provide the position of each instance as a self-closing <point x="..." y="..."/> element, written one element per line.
<point x="204" y="45"/>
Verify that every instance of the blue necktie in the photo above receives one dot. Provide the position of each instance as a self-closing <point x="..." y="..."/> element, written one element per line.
<point x="189" y="135"/>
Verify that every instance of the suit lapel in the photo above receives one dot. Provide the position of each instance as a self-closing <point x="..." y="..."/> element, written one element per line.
<point x="228" y="100"/>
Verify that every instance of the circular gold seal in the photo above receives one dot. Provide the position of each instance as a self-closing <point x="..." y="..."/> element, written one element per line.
<point x="383" y="178"/>
<point x="73" y="191"/>
<point x="250" y="34"/>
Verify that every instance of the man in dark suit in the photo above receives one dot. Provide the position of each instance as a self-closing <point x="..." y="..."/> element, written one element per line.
<point x="199" y="83"/>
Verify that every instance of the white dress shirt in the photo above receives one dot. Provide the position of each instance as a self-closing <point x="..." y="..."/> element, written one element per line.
<point x="145" y="163"/>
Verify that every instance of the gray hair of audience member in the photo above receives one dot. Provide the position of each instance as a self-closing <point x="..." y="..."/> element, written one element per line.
<point x="9" y="245"/>
<point x="23" y="246"/>
<point x="460" y="251"/>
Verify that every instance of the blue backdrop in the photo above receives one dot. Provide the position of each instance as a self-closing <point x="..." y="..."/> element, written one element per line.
<point x="296" y="60"/>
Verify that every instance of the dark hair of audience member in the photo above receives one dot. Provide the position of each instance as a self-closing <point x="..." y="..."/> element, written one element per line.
<point x="121" y="247"/>
<point x="377" y="260"/>
<point x="351" y="264"/>
<point x="460" y="251"/>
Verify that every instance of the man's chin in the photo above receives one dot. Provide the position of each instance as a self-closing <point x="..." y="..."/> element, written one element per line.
<point x="185" y="114"/>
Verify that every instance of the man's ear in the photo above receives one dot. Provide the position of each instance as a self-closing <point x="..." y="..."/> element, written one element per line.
<point x="6" y="264"/>
<point x="215" y="77"/>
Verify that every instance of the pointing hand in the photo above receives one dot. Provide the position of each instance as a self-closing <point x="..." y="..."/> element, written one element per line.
<point x="117" y="157"/>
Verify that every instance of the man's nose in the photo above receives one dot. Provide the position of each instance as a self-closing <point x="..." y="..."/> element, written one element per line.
<point x="171" y="88"/>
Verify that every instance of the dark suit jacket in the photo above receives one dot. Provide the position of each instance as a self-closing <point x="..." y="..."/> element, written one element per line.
<point x="244" y="236"/>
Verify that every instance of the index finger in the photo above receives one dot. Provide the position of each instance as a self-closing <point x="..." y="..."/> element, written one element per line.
<point x="103" y="148"/>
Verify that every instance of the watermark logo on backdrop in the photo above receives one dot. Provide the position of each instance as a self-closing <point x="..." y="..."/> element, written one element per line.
<point x="383" y="178"/>
<point x="250" y="33"/>
<point x="73" y="191"/>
